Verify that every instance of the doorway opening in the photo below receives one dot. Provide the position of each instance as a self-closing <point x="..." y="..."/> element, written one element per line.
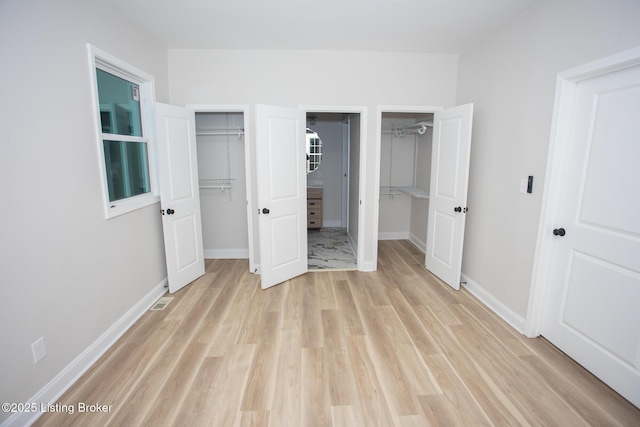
<point x="333" y="192"/>
<point x="405" y="176"/>
<point x="220" y="141"/>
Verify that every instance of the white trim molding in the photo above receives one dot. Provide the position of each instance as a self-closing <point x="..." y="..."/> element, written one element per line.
<point x="101" y="60"/>
<point x="418" y="242"/>
<point x="70" y="374"/>
<point x="501" y="310"/>
<point x="397" y="235"/>
<point x="226" y="253"/>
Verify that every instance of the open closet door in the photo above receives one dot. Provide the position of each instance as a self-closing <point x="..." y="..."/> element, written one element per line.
<point x="282" y="185"/>
<point x="448" y="192"/>
<point x="179" y="194"/>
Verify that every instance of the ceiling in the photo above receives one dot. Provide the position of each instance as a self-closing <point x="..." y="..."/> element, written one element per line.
<point x="426" y="26"/>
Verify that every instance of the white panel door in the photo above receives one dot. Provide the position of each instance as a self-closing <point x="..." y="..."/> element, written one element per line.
<point x="448" y="192"/>
<point x="282" y="193"/>
<point x="593" y="307"/>
<point x="179" y="194"/>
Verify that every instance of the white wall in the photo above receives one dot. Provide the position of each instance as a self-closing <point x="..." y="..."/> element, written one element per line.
<point x="510" y="77"/>
<point x="293" y="78"/>
<point x="419" y="206"/>
<point x="397" y="155"/>
<point x="66" y="273"/>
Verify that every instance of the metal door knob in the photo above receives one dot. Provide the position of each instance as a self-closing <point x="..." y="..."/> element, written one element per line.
<point x="458" y="209"/>
<point x="265" y="211"/>
<point x="170" y="211"/>
<point x="559" y="232"/>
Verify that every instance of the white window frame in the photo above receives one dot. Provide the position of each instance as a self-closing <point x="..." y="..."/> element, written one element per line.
<point x="99" y="59"/>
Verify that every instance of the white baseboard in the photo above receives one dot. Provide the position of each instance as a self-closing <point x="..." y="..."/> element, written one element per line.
<point x="367" y="266"/>
<point x="420" y="244"/>
<point x="394" y="235"/>
<point x="49" y="394"/>
<point x="493" y="304"/>
<point x="332" y="223"/>
<point x="226" y="253"/>
<point x="354" y="245"/>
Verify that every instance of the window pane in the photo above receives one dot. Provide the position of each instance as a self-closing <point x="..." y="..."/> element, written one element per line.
<point x="127" y="169"/>
<point x="119" y="105"/>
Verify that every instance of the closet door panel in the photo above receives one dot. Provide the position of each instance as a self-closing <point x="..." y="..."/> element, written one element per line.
<point x="448" y="192"/>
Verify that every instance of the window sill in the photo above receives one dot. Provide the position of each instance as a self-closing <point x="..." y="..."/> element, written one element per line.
<point x="121" y="207"/>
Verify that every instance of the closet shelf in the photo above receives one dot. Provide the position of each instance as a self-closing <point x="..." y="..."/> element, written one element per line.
<point x="414" y="192"/>
<point x="216" y="184"/>
<point x="409" y="191"/>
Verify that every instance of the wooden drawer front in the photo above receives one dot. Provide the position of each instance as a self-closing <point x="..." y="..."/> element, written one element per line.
<point x="314" y="223"/>
<point x="314" y="214"/>
<point x="314" y="192"/>
<point x="314" y="205"/>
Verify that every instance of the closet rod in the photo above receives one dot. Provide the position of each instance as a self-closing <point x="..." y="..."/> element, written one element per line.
<point x="216" y="187"/>
<point x="420" y="124"/>
<point x="420" y="128"/>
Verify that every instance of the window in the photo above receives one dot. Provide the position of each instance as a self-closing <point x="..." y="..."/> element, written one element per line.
<point x="123" y="105"/>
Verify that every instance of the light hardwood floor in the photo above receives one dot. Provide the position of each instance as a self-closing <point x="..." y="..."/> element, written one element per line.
<point x="392" y="347"/>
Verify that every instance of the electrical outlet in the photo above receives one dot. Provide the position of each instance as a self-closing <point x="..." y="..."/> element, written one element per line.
<point x="39" y="350"/>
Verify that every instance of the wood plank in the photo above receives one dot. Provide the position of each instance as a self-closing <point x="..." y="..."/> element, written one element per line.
<point x="339" y="380"/>
<point x="223" y="404"/>
<point x="346" y="416"/>
<point x="287" y="405"/>
<point x="456" y="404"/>
<point x="372" y="398"/>
<point x="382" y="347"/>
<point x="260" y="389"/>
<point x="347" y="308"/>
<point x="418" y="333"/>
<point x="255" y="419"/>
<point x="316" y="410"/>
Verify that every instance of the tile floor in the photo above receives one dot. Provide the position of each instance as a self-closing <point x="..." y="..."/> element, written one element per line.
<point x="329" y="249"/>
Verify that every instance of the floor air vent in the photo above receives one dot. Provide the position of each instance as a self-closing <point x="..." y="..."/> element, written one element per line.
<point x="162" y="303"/>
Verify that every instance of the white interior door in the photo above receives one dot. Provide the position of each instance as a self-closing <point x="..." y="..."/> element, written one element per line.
<point x="282" y="193"/>
<point x="448" y="192"/>
<point x="593" y="306"/>
<point x="179" y="194"/>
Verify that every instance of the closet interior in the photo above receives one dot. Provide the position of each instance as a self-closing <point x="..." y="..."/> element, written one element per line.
<point x="220" y="143"/>
<point x="405" y="177"/>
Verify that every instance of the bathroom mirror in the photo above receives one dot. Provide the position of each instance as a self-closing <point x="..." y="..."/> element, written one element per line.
<point x="314" y="151"/>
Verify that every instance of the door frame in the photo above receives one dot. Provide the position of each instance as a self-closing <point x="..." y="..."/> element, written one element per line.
<point x="412" y="109"/>
<point x="244" y="109"/>
<point x="346" y="146"/>
<point x="362" y="111"/>
<point x="566" y="88"/>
